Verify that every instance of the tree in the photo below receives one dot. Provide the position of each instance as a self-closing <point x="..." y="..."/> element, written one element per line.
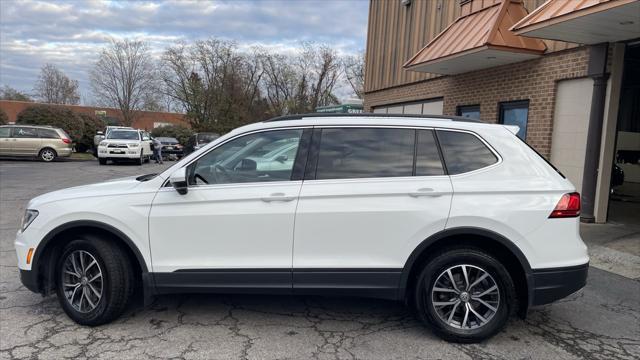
<point x="9" y="93"/>
<point x="4" y="118"/>
<point x="300" y="83"/>
<point x="216" y="85"/>
<point x="54" y="87"/>
<point x="57" y="116"/>
<point x="124" y="77"/>
<point x="354" y="72"/>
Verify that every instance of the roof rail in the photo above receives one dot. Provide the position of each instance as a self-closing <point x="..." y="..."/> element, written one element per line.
<point x="324" y="115"/>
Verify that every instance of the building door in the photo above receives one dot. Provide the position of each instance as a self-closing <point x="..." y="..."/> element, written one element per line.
<point x="624" y="199"/>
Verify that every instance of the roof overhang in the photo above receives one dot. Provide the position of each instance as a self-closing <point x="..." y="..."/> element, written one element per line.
<point x="478" y="39"/>
<point x="474" y="59"/>
<point x="584" y="22"/>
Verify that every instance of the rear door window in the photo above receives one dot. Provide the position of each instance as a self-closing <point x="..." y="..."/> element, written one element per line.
<point x="5" y="132"/>
<point x="347" y="153"/>
<point x="25" y="132"/>
<point x="464" y="152"/>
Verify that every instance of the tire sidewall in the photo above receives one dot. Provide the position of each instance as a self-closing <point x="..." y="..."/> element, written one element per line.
<point x="446" y="260"/>
<point x="93" y="315"/>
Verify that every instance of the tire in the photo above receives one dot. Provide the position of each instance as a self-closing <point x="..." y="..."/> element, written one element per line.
<point x="115" y="283"/>
<point x="102" y="161"/>
<point x="438" y="315"/>
<point x="47" y="155"/>
<point x="141" y="159"/>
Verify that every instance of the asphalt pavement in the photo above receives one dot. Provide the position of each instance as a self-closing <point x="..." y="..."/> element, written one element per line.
<point x="602" y="321"/>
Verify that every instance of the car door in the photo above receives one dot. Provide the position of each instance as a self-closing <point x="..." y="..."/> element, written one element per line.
<point x="5" y="141"/>
<point x="25" y="141"/>
<point x="373" y="197"/>
<point x="146" y="143"/>
<point x="234" y="226"/>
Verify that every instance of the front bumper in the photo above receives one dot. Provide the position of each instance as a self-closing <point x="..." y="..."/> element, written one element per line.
<point x="30" y="280"/>
<point x="553" y="284"/>
<point x="116" y="153"/>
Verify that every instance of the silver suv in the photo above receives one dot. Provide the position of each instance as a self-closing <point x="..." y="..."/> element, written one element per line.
<point x="45" y="142"/>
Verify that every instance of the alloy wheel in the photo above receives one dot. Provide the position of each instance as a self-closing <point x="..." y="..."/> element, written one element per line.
<point x="47" y="155"/>
<point x="82" y="281"/>
<point x="465" y="297"/>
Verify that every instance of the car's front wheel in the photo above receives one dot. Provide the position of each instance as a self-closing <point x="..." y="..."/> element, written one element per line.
<point x="95" y="280"/>
<point x="465" y="294"/>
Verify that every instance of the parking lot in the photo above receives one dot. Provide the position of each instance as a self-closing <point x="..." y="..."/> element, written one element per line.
<point x="600" y="322"/>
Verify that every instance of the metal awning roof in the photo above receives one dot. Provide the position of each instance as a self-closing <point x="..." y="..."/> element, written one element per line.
<point x="480" y="38"/>
<point x="583" y="21"/>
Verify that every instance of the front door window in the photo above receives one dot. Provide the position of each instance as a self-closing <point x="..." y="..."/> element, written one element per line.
<point x="259" y="157"/>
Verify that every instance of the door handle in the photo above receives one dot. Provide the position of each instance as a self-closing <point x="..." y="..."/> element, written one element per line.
<point x="426" y="192"/>
<point x="277" y="197"/>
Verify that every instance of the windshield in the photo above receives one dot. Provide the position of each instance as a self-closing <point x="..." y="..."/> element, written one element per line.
<point x="168" y="140"/>
<point x="123" y="135"/>
<point x="206" y="138"/>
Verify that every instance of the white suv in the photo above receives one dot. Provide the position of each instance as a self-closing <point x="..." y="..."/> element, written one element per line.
<point x="125" y="144"/>
<point x="461" y="220"/>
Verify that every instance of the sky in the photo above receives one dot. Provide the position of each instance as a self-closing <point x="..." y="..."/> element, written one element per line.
<point x="70" y="34"/>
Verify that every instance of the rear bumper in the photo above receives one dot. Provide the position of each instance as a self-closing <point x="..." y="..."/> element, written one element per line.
<point x="64" y="152"/>
<point x="553" y="284"/>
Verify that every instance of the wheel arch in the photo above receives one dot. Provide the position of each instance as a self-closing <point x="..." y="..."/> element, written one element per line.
<point x="52" y="244"/>
<point x="493" y="243"/>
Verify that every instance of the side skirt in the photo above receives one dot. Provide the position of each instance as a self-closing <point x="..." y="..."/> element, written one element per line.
<point x="374" y="283"/>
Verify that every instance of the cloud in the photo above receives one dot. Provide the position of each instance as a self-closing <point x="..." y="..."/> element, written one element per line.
<point x="70" y="34"/>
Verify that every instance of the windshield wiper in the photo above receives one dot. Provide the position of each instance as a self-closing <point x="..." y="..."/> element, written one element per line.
<point x="146" y="177"/>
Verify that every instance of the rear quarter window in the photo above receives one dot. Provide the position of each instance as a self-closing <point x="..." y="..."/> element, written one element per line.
<point x="48" y="134"/>
<point x="464" y="152"/>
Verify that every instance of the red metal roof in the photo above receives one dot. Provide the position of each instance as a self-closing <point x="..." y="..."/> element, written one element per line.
<point x="559" y="10"/>
<point x="484" y="24"/>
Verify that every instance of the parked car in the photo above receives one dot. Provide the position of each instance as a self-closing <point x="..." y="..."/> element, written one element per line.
<point x="171" y="147"/>
<point x="45" y="142"/>
<point x="101" y="135"/>
<point x="461" y="220"/>
<point x="125" y="144"/>
<point x="198" y="140"/>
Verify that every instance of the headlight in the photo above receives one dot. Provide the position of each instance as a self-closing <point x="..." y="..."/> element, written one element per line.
<point x="103" y="143"/>
<point x="27" y="219"/>
<point x="133" y="145"/>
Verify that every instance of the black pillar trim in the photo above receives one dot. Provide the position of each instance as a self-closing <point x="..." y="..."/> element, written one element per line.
<point x="597" y="71"/>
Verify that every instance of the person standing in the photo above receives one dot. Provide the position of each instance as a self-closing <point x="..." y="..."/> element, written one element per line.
<point x="157" y="150"/>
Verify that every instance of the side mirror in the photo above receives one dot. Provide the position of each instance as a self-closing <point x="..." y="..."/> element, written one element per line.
<point x="282" y="158"/>
<point x="179" y="180"/>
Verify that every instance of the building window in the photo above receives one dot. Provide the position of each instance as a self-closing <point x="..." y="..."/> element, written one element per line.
<point x="515" y="113"/>
<point x="469" y="111"/>
<point x="425" y="107"/>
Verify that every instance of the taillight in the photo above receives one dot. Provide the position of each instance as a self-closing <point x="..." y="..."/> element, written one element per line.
<point x="568" y="206"/>
<point x="66" y="141"/>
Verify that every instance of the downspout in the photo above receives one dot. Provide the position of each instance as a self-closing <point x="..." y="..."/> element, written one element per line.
<point x="597" y="71"/>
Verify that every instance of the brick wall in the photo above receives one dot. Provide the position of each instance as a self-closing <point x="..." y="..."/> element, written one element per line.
<point x="533" y="80"/>
<point x="145" y="119"/>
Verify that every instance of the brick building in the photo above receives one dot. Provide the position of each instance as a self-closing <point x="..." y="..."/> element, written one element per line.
<point x="146" y="120"/>
<point x="566" y="72"/>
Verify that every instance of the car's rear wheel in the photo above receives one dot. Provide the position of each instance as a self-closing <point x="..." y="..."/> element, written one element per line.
<point x="94" y="280"/>
<point x="47" y="154"/>
<point x="465" y="294"/>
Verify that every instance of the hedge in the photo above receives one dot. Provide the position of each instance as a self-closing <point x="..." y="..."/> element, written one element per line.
<point x="4" y="119"/>
<point x="91" y="125"/>
<point x="179" y="132"/>
<point x="55" y="116"/>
